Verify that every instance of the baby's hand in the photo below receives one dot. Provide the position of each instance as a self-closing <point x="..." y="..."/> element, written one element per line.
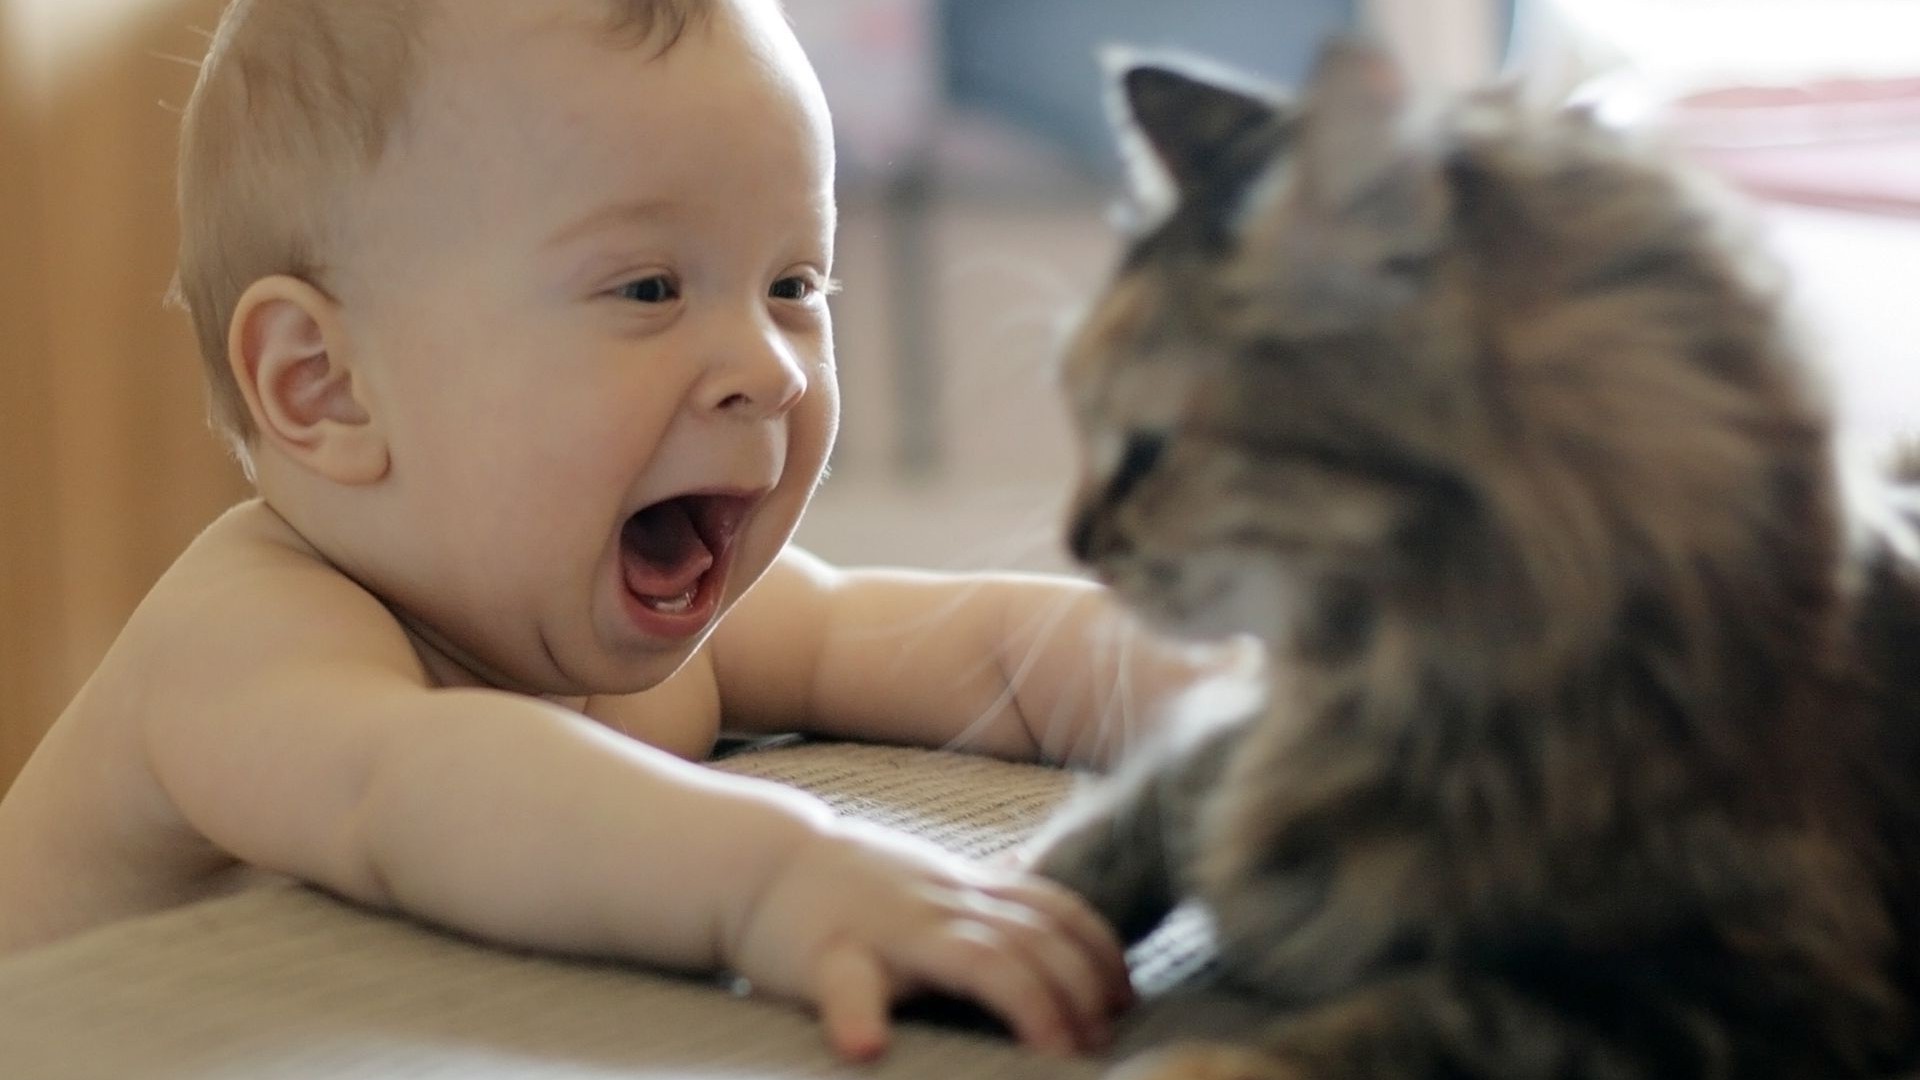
<point x="858" y="918"/>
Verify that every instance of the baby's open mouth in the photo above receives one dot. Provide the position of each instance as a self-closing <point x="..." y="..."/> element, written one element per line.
<point x="668" y="551"/>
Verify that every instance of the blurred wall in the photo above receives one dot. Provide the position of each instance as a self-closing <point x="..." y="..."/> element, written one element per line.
<point x="1039" y="63"/>
<point x="29" y="620"/>
<point x="106" y="467"/>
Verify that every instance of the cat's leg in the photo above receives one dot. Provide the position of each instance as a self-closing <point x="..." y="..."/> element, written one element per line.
<point x="1438" y="1023"/>
<point x="1426" y="1025"/>
<point x="1208" y="1061"/>
<point x="1124" y="845"/>
<point x="1435" y="1023"/>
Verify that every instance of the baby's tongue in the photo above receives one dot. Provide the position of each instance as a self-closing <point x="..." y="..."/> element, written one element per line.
<point x="664" y="555"/>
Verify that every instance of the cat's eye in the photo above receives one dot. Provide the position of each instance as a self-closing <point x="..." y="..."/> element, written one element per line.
<point x="657" y="289"/>
<point x="1141" y="453"/>
<point x="1412" y="264"/>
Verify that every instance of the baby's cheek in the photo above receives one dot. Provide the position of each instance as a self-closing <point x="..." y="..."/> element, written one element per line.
<point x="822" y="403"/>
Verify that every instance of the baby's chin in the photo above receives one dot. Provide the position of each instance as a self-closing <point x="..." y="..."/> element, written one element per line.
<point x="565" y="673"/>
<point x="618" y="662"/>
<point x="602" y="671"/>
<point x="640" y="675"/>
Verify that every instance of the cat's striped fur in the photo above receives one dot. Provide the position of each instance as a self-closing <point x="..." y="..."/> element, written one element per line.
<point x="1594" y="749"/>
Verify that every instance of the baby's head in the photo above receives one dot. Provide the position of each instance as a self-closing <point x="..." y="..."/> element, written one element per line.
<point x="517" y="311"/>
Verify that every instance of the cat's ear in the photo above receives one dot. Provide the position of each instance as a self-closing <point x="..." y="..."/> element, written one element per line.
<point x="1353" y="121"/>
<point x="1184" y="123"/>
<point x="1344" y="228"/>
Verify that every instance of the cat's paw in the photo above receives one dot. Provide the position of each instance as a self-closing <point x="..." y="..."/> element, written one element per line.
<point x="1206" y="1062"/>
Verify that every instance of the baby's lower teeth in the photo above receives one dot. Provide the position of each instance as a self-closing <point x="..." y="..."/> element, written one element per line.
<point x="670" y="607"/>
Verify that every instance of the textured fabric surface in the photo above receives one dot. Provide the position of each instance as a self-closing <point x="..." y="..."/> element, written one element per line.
<point x="972" y="805"/>
<point x="283" y="982"/>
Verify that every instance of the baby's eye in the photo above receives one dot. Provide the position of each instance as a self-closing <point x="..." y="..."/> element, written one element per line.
<point x="794" y="288"/>
<point x="802" y="287"/>
<point x="658" y="289"/>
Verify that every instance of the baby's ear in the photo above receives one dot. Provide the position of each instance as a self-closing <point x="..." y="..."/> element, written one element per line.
<point x="1184" y="123"/>
<point x="290" y="355"/>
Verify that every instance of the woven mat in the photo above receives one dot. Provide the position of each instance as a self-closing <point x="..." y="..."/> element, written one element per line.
<point x="283" y="982"/>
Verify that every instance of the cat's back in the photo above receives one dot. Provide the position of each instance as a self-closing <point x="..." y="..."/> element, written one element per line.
<point x="1887" y="648"/>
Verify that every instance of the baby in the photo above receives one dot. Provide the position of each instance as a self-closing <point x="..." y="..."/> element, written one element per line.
<point x="516" y="313"/>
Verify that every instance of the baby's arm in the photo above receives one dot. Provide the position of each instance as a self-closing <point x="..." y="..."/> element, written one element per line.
<point x="308" y="745"/>
<point x="1027" y="667"/>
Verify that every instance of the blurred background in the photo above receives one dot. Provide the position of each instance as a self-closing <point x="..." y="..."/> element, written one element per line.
<point x="977" y="176"/>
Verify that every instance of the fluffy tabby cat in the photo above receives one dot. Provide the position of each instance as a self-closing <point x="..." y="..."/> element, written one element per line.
<point x="1593" y="748"/>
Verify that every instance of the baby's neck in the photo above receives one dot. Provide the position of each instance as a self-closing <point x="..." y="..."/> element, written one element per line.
<point x="446" y="670"/>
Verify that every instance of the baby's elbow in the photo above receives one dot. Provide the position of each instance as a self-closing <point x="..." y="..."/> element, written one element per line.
<point x="363" y="850"/>
<point x="359" y="867"/>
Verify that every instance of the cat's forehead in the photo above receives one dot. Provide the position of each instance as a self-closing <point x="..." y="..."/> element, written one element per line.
<point x="1123" y="369"/>
<point x="1118" y="316"/>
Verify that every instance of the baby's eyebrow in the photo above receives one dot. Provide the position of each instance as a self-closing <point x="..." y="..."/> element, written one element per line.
<point x="637" y="211"/>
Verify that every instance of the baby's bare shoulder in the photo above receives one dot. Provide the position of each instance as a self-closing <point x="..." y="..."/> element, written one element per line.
<point x="249" y="618"/>
<point x="250" y="597"/>
<point x="247" y="615"/>
<point x="249" y="622"/>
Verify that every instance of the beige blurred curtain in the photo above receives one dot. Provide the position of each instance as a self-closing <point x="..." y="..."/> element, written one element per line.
<point x="106" y="465"/>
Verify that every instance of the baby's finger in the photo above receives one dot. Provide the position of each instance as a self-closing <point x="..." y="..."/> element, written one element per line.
<point x="1096" y="938"/>
<point x="851" y="989"/>
<point x="1074" y="978"/>
<point x="1013" y="858"/>
<point x="978" y="963"/>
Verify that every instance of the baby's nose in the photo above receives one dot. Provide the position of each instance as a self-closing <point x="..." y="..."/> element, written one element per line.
<point x="762" y="379"/>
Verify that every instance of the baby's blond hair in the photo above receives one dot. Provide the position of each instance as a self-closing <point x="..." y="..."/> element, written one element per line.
<point x="296" y="100"/>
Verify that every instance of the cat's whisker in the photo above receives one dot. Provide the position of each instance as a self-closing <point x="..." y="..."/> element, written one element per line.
<point x="1052" y="306"/>
<point x="1035" y="531"/>
<point x="906" y="635"/>
<point x="1045" y="624"/>
<point x="1056" y="739"/>
<point x="1102" y="657"/>
<point x="183" y="61"/>
<point x="922" y="623"/>
<point x="1129" y="725"/>
<point x="1047" y="286"/>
